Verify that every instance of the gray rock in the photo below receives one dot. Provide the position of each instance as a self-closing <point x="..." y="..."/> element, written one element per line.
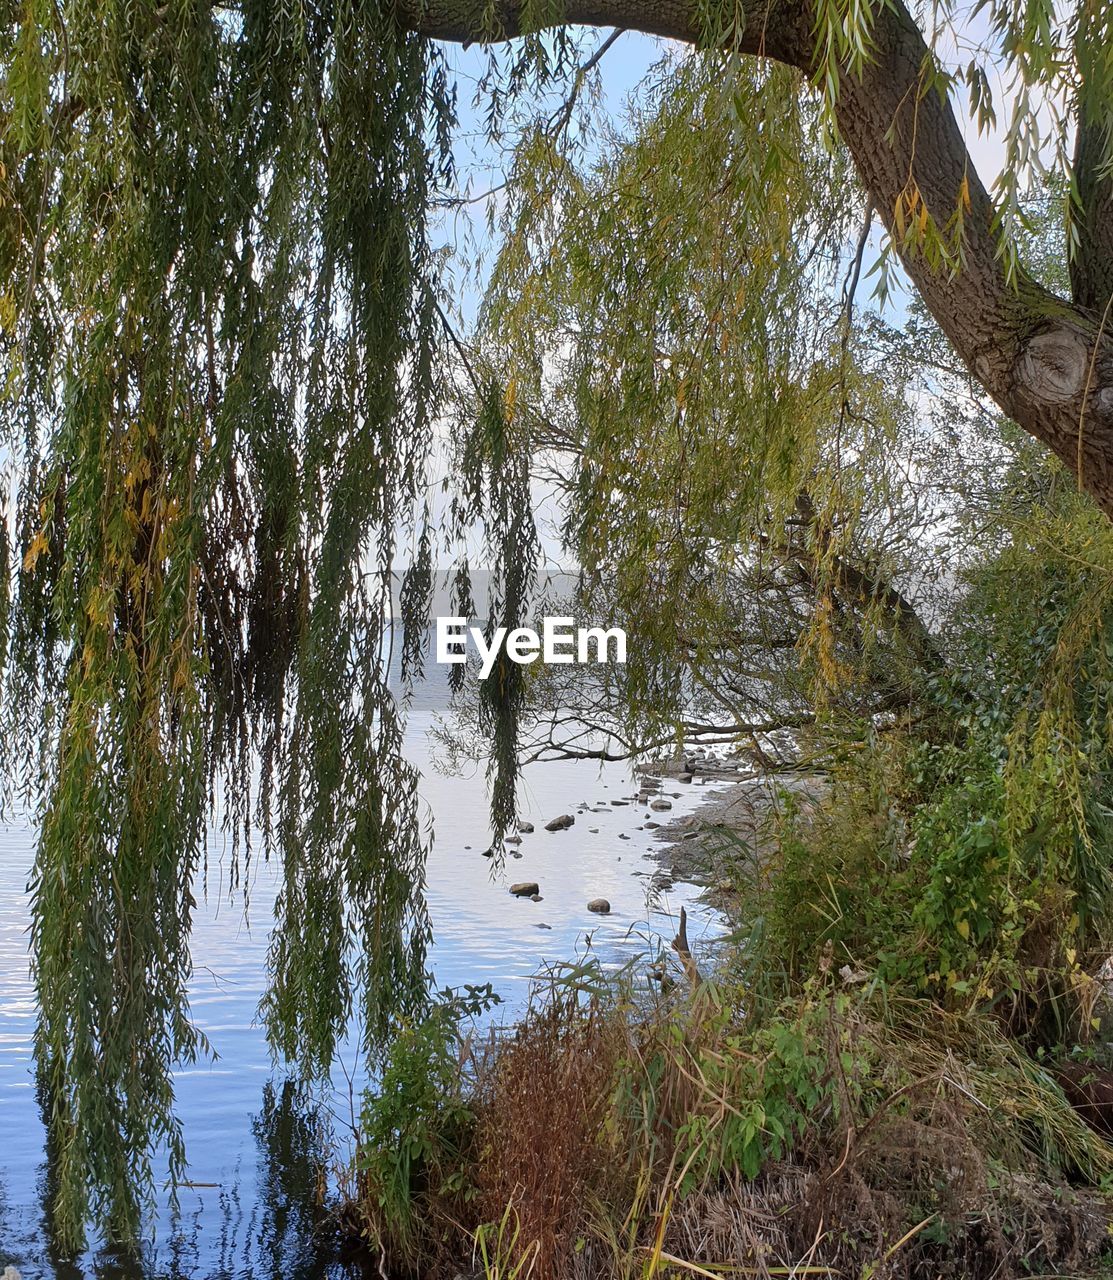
<point x="623" y="836"/>
<point x="593" y="831"/>
<point x="652" y="826"/>
<point x="600" y="906"/>
<point x="488" y="853"/>
<point x="684" y="777"/>
<point x="513" y="840"/>
<point x="526" y="828"/>
<point x="619" y="802"/>
<point x="525" y="889"/>
<point x="542" y="926"/>
<point x="560" y="824"/>
<point x="536" y="897"/>
<point x="661" y="805"/>
<point x="515" y="854"/>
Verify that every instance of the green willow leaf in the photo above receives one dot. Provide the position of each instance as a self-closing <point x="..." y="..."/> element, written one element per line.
<point x="220" y="341"/>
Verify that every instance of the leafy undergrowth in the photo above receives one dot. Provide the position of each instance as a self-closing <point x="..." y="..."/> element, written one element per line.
<point x="873" y="1083"/>
<point x="843" y="1133"/>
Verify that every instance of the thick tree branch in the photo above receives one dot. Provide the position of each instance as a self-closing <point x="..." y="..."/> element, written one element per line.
<point x="1040" y="358"/>
<point x="465" y="21"/>
<point x="1047" y="363"/>
<point x="1092" y="265"/>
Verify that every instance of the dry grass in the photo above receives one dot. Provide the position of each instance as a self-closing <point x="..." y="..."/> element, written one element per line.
<point x="934" y="1148"/>
<point x="543" y="1107"/>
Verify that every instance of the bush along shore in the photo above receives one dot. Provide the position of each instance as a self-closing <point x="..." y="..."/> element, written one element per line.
<point x="865" y="1083"/>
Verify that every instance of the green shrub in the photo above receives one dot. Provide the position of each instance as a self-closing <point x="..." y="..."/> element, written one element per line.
<point x="416" y="1132"/>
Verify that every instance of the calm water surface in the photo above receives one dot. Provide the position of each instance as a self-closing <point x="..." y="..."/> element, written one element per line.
<point x="251" y="1133"/>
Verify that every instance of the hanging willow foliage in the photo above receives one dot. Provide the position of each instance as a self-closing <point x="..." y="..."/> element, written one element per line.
<point x="220" y="368"/>
<point x="669" y="306"/>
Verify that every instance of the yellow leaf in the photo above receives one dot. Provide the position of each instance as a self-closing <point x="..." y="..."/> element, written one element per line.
<point x="963" y="927"/>
<point x="38" y="545"/>
<point x="964" y="192"/>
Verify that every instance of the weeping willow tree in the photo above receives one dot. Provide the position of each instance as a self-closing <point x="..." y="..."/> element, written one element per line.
<point x="221" y="349"/>
<point x="745" y="485"/>
<point x="221" y="345"/>
<point x="676" y="321"/>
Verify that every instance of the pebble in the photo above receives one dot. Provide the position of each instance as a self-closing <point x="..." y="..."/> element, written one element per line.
<point x="600" y="906"/>
<point x="661" y="805"/>
<point x="526" y="828"/>
<point x="525" y="889"/>
<point x="560" y="824"/>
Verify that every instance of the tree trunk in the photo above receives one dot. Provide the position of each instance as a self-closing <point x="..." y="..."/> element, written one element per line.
<point x="1046" y="361"/>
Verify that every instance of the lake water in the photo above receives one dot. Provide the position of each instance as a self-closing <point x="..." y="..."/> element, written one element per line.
<point x="250" y="1133"/>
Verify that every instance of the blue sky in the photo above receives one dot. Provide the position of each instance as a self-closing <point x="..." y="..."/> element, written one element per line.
<point x="480" y="162"/>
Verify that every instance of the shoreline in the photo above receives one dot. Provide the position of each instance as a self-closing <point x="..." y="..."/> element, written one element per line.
<point x="704" y="848"/>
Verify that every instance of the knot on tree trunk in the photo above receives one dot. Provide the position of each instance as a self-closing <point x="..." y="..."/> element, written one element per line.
<point x="1053" y="366"/>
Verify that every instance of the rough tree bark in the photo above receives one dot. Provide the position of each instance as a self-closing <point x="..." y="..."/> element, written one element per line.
<point x="1046" y="361"/>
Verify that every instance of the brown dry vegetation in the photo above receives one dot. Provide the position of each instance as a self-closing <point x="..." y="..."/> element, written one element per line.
<point x="611" y="1140"/>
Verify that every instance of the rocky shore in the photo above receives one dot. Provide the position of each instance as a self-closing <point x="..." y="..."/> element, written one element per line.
<point x="724" y="828"/>
<point x="729" y="830"/>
